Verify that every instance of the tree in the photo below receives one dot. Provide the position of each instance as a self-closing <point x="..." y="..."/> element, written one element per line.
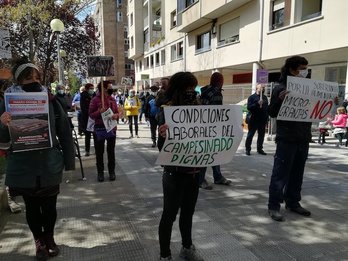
<point x="31" y="35"/>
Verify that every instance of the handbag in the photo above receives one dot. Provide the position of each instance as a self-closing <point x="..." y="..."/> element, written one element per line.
<point x="247" y="118"/>
<point x="102" y="134"/>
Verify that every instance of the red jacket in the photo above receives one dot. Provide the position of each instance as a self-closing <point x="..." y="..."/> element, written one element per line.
<point x="96" y="104"/>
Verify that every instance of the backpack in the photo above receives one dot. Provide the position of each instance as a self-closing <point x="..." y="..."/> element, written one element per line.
<point x="153" y="108"/>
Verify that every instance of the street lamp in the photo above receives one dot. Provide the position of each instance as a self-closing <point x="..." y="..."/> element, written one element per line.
<point x="57" y="27"/>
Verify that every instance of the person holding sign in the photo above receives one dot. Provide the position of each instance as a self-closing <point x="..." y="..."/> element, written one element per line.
<point x="36" y="174"/>
<point x="292" y="140"/>
<point x="257" y="106"/>
<point x="98" y="105"/>
<point x="180" y="184"/>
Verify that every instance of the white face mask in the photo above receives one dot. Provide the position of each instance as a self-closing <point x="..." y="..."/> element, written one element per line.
<point x="302" y="73"/>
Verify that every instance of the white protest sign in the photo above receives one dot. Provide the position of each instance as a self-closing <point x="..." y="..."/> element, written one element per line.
<point x="5" y="47"/>
<point x="201" y="136"/>
<point x="308" y="100"/>
<point x="109" y="123"/>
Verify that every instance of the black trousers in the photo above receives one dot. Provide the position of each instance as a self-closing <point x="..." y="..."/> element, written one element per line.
<point x="41" y="214"/>
<point x="252" y="128"/>
<point x="88" y="135"/>
<point x="130" y="123"/>
<point x="180" y="190"/>
<point x="153" y="128"/>
<point x="110" y="150"/>
<point x="287" y="174"/>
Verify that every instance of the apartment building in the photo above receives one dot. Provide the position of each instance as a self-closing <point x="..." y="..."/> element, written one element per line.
<point x="112" y="30"/>
<point x="237" y="38"/>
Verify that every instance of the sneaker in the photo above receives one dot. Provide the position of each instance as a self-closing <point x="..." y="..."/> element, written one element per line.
<point x="153" y="144"/>
<point x="51" y="245"/>
<point x="112" y="176"/>
<point x="299" y="210"/>
<point x="247" y="152"/>
<point x="131" y="136"/>
<point x="166" y="258"/>
<point x="261" y="152"/>
<point x="100" y="177"/>
<point x="41" y="251"/>
<point x="223" y="181"/>
<point x="190" y="254"/>
<point x="14" y="206"/>
<point x="137" y="136"/>
<point x="276" y="215"/>
<point x="206" y="185"/>
<point x="87" y="153"/>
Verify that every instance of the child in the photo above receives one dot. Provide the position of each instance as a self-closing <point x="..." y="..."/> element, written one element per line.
<point x="340" y="123"/>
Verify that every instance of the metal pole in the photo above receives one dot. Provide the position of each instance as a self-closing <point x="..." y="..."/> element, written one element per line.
<point x="59" y="61"/>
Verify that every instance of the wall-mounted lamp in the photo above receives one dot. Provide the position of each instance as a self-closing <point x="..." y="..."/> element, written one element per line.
<point x="213" y="27"/>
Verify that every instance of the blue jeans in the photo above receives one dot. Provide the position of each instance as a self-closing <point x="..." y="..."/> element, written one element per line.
<point x="216" y="174"/>
<point x="287" y="174"/>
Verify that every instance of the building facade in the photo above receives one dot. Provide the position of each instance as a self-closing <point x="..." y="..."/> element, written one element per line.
<point x="237" y="38"/>
<point x="112" y="30"/>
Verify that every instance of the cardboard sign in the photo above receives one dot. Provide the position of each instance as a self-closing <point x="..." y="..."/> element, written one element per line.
<point x="200" y="136"/>
<point x="308" y="100"/>
<point x="99" y="66"/>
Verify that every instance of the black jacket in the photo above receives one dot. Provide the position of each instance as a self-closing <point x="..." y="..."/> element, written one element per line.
<point x="288" y="131"/>
<point x="258" y="115"/>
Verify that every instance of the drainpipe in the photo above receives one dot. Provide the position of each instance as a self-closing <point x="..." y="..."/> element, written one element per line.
<point x="258" y="64"/>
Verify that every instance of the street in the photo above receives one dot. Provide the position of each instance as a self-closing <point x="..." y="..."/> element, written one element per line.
<point x="119" y="220"/>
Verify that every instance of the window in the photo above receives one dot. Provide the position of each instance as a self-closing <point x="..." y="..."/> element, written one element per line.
<point x="131" y="19"/>
<point x="119" y="16"/>
<point x="132" y="42"/>
<point x="157" y="59"/>
<point x="203" y="42"/>
<point x="173" y="19"/>
<point x="308" y="9"/>
<point x="229" y="32"/>
<point x="163" y="57"/>
<point x="151" y="61"/>
<point x="126" y="41"/>
<point x="182" y="4"/>
<point x="126" y="54"/>
<point x="146" y="65"/>
<point x="278" y="14"/>
<point x="176" y="51"/>
<point x="119" y="3"/>
<point x="140" y="65"/>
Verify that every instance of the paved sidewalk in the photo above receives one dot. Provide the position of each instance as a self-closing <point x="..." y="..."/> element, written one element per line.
<point x="119" y="220"/>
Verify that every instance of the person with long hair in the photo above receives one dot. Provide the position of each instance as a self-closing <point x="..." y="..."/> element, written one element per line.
<point x="36" y="174"/>
<point x="292" y="141"/>
<point x="180" y="184"/>
<point x="96" y="108"/>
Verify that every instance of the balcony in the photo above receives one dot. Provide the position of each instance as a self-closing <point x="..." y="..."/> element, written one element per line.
<point x="204" y="11"/>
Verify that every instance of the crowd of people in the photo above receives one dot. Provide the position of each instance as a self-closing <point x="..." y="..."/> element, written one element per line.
<point x="40" y="189"/>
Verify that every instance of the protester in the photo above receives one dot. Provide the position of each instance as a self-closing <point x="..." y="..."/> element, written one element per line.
<point x="68" y="98"/>
<point x="180" y="184"/>
<point x="258" y="107"/>
<point x="212" y="95"/>
<point x="131" y="107"/>
<point x="36" y="174"/>
<point x="60" y="97"/>
<point x="96" y="108"/>
<point x="161" y="93"/>
<point x="85" y="99"/>
<point x="76" y="105"/>
<point x="339" y="123"/>
<point x="151" y="111"/>
<point x="142" y="98"/>
<point x="292" y="140"/>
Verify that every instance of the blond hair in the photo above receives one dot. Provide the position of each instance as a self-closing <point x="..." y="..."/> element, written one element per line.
<point x="341" y="110"/>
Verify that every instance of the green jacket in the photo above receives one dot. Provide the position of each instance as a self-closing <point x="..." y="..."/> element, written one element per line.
<point x="23" y="169"/>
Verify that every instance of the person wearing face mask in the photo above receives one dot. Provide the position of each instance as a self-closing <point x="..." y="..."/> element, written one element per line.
<point x="131" y="106"/>
<point x="85" y="99"/>
<point x="60" y="97"/>
<point x="151" y="111"/>
<point x="180" y="184"/>
<point x="96" y="108"/>
<point x="36" y="174"/>
<point x="292" y="139"/>
<point x="257" y="106"/>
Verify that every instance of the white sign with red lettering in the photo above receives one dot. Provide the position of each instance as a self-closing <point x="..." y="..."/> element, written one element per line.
<point x="308" y="100"/>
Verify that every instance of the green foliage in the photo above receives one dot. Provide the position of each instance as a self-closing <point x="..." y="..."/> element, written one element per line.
<point x="75" y="82"/>
<point x="31" y="35"/>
